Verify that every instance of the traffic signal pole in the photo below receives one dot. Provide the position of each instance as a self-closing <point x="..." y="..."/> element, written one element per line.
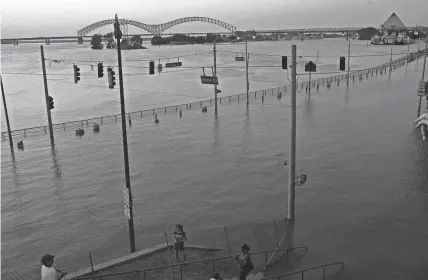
<point x="292" y="168"/>
<point x="48" y="110"/>
<point x="6" y="113"/>
<point x="215" y="75"/>
<point x="247" y="56"/>
<point x="349" y="56"/>
<point x="118" y="36"/>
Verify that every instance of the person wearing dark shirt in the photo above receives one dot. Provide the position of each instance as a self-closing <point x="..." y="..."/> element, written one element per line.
<point x="179" y="239"/>
<point x="245" y="263"/>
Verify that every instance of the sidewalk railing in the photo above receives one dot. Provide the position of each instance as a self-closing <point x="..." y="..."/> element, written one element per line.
<point x="302" y="271"/>
<point x="182" y="266"/>
<point x="241" y="97"/>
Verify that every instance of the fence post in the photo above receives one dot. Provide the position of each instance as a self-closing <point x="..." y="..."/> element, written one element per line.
<point x="167" y="246"/>
<point x="266" y="263"/>
<point x="276" y="233"/>
<point x="213" y="266"/>
<point x="92" y="264"/>
<point x="227" y="239"/>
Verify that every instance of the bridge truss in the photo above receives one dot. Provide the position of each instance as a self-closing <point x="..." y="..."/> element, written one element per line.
<point x="155" y="29"/>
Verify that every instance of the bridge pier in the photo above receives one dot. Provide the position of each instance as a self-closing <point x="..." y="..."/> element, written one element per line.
<point x="80" y="40"/>
<point x="15" y="42"/>
<point x="47" y="41"/>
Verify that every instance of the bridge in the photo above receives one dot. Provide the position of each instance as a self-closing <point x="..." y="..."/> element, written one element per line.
<point x="155" y="29"/>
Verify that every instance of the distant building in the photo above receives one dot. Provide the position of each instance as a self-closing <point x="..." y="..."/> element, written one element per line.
<point x="393" y="22"/>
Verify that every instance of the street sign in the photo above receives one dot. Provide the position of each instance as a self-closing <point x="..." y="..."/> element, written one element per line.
<point x="239" y="58"/>
<point x="310" y="67"/>
<point x="173" y="64"/>
<point x="126" y="203"/>
<point x="210" y="80"/>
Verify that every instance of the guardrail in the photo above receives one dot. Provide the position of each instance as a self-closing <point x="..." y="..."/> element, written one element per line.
<point x="302" y="272"/>
<point x="182" y="265"/>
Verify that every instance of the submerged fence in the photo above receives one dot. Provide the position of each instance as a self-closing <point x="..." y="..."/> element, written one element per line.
<point x="242" y="97"/>
<point x="265" y="237"/>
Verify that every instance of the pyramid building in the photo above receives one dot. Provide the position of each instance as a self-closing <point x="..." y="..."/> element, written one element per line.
<point x="393" y="22"/>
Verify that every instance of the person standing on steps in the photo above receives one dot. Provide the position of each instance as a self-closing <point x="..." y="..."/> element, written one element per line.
<point x="48" y="271"/>
<point x="179" y="239"/>
<point x="245" y="263"/>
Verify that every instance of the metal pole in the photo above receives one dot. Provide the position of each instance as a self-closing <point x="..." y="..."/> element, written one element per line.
<point x="6" y="113"/>
<point x="215" y="75"/>
<point x="125" y="137"/>
<point x="292" y="168"/>
<point x="310" y="84"/>
<point x="349" y="55"/>
<point x="390" y="61"/>
<point x="45" y="81"/>
<point x="247" y="56"/>
<point x="423" y="77"/>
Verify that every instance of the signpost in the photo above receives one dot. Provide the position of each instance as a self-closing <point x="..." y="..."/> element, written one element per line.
<point x="209" y="80"/>
<point x="126" y="203"/>
<point x="173" y="64"/>
<point x="310" y="67"/>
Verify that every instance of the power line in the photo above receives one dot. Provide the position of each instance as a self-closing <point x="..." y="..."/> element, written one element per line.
<point x="131" y="60"/>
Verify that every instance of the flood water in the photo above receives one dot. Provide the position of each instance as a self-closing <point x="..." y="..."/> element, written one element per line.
<point x="365" y="200"/>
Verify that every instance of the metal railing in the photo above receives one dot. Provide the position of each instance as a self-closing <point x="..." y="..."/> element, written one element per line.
<point x="236" y="97"/>
<point x="183" y="265"/>
<point x="302" y="271"/>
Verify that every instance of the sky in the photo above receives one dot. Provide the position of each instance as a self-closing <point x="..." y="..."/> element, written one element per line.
<point x="31" y="18"/>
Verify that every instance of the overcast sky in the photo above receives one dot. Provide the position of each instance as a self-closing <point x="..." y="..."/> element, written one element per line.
<point x="64" y="17"/>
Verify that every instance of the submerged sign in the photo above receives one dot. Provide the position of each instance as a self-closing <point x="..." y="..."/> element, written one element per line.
<point x="173" y="64"/>
<point x="210" y="80"/>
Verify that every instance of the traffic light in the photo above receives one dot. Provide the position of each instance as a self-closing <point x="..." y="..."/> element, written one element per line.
<point x="342" y="63"/>
<point x="51" y="102"/>
<point x="111" y="78"/>
<point x="151" y="68"/>
<point x="100" y="70"/>
<point x="76" y="73"/>
<point x="284" y="62"/>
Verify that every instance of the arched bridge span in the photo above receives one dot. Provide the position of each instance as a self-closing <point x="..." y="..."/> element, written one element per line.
<point x="155" y="28"/>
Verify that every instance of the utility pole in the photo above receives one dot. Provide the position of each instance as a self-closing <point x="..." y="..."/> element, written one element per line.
<point x="118" y="35"/>
<point x="247" y="56"/>
<point x="423" y="75"/>
<point x="215" y="75"/>
<point x="6" y="113"/>
<point x="349" y="55"/>
<point x="292" y="168"/>
<point x="48" y="110"/>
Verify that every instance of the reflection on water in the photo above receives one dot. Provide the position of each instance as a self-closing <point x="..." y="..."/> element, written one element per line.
<point x="58" y="195"/>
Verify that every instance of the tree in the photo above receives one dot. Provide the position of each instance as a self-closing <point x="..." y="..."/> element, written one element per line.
<point x="108" y="37"/>
<point x="136" y="40"/>
<point x="96" y="41"/>
<point x="158" y="40"/>
<point x="367" y="33"/>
